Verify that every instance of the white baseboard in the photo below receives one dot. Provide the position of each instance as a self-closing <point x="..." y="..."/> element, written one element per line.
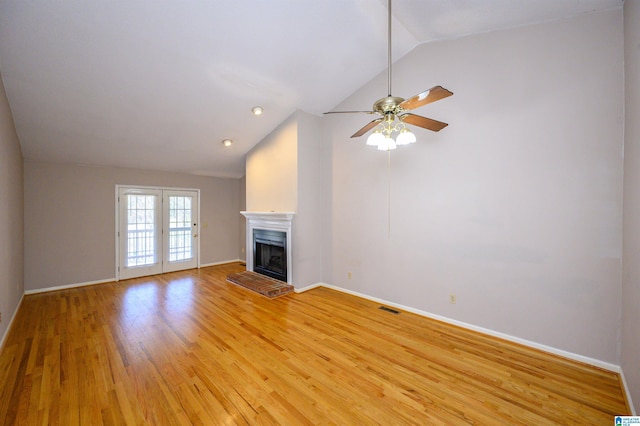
<point x="67" y="286"/>
<point x="224" y="262"/>
<point x="627" y="393"/>
<point x="13" y="317"/>
<point x="107" y="280"/>
<point x="545" y="348"/>
<point x="311" y="287"/>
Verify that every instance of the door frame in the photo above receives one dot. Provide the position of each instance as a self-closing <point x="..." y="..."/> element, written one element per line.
<point x="156" y="188"/>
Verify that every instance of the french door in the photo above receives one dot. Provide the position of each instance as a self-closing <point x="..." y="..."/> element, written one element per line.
<point x="157" y="231"/>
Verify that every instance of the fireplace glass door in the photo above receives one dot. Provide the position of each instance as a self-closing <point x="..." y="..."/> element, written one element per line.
<point x="270" y="253"/>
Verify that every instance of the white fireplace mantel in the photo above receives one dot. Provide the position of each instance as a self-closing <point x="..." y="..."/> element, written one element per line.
<point x="276" y="216"/>
<point x="273" y="221"/>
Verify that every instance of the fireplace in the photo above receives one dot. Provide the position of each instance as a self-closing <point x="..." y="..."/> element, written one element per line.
<point x="273" y="250"/>
<point x="270" y="253"/>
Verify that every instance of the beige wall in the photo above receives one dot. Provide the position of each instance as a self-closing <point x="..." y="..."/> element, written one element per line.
<point x="630" y="354"/>
<point x="243" y="222"/>
<point x="308" y="224"/>
<point x="11" y="216"/>
<point x="516" y="207"/>
<point x="271" y="171"/>
<point x="70" y="219"/>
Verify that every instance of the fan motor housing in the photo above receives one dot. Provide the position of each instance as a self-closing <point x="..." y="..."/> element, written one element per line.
<point x="388" y="104"/>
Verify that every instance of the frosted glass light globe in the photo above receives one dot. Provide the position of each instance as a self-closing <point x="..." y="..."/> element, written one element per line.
<point x="375" y="138"/>
<point x="406" y="137"/>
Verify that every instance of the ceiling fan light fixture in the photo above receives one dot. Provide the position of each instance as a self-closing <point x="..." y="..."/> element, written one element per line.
<point x="375" y="138"/>
<point x="394" y="111"/>
<point x="405" y="137"/>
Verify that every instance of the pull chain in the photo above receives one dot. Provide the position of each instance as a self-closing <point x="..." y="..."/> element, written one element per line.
<point x="389" y="193"/>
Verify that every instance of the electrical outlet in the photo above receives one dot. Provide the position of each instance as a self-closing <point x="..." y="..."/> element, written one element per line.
<point x="349" y="275"/>
<point x="452" y="299"/>
<point x="242" y="249"/>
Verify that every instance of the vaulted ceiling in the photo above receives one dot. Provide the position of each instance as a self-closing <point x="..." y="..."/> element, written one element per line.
<point x="157" y="84"/>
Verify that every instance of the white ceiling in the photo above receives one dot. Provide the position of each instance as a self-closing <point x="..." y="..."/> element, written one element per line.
<point x="157" y="84"/>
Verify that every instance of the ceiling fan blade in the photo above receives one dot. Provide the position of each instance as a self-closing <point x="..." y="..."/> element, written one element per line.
<point x="370" y="125"/>
<point x="349" y="112"/>
<point x="434" y="94"/>
<point x="424" y="122"/>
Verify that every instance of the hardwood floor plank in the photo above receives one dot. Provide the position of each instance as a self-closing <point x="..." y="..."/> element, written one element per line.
<point x="190" y="348"/>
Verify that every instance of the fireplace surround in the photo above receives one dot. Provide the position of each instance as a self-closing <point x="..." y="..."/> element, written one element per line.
<point x="271" y="227"/>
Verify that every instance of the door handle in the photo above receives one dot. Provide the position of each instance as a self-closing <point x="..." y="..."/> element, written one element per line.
<point x="195" y="235"/>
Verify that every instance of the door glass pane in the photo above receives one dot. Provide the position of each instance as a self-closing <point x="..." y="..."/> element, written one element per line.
<point x="141" y="230"/>
<point x="180" y="228"/>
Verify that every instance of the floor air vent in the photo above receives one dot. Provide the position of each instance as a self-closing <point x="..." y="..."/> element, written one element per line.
<point x="393" y="311"/>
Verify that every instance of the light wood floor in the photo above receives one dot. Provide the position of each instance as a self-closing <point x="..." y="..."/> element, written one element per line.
<point x="190" y="348"/>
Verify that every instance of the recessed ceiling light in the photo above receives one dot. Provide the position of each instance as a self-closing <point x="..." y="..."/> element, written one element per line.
<point x="257" y="110"/>
<point x="227" y="142"/>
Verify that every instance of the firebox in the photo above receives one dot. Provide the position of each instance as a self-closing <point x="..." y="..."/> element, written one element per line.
<point x="270" y="253"/>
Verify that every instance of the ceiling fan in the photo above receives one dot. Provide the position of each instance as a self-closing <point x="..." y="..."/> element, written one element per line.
<point x="394" y="113"/>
